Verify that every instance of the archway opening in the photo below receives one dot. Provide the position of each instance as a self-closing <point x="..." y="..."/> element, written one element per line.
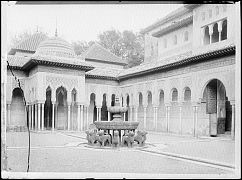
<point x="104" y="110"/>
<point x="62" y="109"/>
<point x="112" y="104"/>
<point x="18" y="111"/>
<point x="93" y="108"/>
<point x="206" y="39"/>
<point x="48" y="110"/>
<point x="218" y="107"/>
<point x="127" y="112"/>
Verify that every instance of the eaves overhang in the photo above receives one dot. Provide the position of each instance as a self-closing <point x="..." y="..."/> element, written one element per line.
<point x="34" y="62"/>
<point x="100" y="77"/>
<point x="194" y="59"/>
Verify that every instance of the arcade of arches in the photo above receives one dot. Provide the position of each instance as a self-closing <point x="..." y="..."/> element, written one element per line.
<point x="213" y="115"/>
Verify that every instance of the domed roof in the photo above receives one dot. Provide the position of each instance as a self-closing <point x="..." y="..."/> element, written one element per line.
<point x="55" y="46"/>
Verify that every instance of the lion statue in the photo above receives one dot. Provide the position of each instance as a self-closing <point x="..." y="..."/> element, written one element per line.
<point x="128" y="139"/>
<point x="140" y="137"/>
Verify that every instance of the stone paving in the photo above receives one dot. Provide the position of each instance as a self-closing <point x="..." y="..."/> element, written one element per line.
<point x="65" y="152"/>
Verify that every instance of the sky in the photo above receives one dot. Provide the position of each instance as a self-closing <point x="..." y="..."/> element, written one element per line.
<point x="83" y="22"/>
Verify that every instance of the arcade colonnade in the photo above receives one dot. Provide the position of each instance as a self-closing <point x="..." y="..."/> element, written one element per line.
<point x="182" y="110"/>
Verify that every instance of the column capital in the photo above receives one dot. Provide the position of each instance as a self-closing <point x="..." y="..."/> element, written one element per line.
<point x="98" y="107"/>
<point x="53" y="102"/>
<point x="8" y="102"/>
<point x="155" y="107"/>
<point x="68" y="103"/>
<point x="168" y="104"/>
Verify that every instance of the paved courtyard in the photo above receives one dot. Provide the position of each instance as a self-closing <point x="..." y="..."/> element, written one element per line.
<point x="165" y="154"/>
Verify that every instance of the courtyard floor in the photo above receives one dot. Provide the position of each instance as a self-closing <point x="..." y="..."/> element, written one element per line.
<point x="165" y="154"/>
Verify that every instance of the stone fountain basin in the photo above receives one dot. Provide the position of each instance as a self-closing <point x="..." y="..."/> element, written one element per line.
<point x="118" y="125"/>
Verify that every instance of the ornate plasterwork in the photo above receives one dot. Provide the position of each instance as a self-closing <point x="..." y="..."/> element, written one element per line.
<point x="56" y="81"/>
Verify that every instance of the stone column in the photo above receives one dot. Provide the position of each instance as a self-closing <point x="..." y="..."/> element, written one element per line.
<point x="210" y="33"/>
<point x="109" y="116"/>
<point x="180" y="117"/>
<point x="145" y="108"/>
<point x="87" y="118"/>
<point x="36" y="118"/>
<point x="78" y="117"/>
<point x="32" y="117"/>
<point x="82" y="120"/>
<point x="42" y="115"/>
<point x="69" y="117"/>
<point x="53" y="115"/>
<point x="9" y="113"/>
<point x="233" y="120"/>
<point x="39" y="105"/>
<point x="136" y="113"/>
<point x="130" y="113"/>
<point x="168" y="107"/>
<point x="29" y="114"/>
<point x="195" y="123"/>
<point x="155" y="117"/>
<point x="220" y="23"/>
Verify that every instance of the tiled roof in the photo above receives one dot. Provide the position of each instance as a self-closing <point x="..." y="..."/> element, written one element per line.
<point x="57" y="61"/>
<point x="111" y="73"/>
<point x="31" y="43"/>
<point x="166" y="63"/>
<point x="17" y="61"/>
<point x="99" y="53"/>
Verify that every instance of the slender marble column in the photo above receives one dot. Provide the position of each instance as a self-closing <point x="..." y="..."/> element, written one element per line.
<point x="39" y="105"/>
<point x="136" y="113"/>
<point x="78" y="117"/>
<point x="233" y="120"/>
<point x="9" y="114"/>
<point x="29" y="114"/>
<point x="42" y="116"/>
<point x="145" y="108"/>
<point x="36" y="118"/>
<point x="109" y="116"/>
<point x="53" y="116"/>
<point x="87" y="120"/>
<point x="180" y="117"/>
<point x="220" y="23"/>
<point x="195" y="133"/>
<point x="168" y="117"/>
<point x="82" y="120"/>
<point x="155" y="117"/>
<point x="210" y="32"/>
<point x="32" y="119"/>
<point x="69" y="117"/>
<point x="131" y="114"/>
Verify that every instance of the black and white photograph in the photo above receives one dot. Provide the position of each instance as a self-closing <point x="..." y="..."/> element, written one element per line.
<point x="120" y="89"/>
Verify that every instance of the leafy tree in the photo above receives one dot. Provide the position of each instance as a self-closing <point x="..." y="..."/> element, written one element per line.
<point x="127" y="45"/>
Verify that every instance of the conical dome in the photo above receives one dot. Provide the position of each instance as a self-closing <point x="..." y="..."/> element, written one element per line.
<point x="55" y="46"/>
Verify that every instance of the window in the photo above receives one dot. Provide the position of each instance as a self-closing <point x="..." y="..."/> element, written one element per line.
<point x="224" y="30"/>
<point x="174" y="95"/>
<point x="187" y="94"/>
<point x="186" y="36"/>
<point x="161" y="99"/>
<point x="206" y="39"/>
<point x="215" y="36"/>
<point x="175" y="39"/>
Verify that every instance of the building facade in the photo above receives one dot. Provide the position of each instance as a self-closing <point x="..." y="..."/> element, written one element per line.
<point x="186" y="84"/>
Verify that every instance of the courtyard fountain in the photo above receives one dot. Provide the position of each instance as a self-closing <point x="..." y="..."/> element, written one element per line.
<point x="116" y="132"/>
